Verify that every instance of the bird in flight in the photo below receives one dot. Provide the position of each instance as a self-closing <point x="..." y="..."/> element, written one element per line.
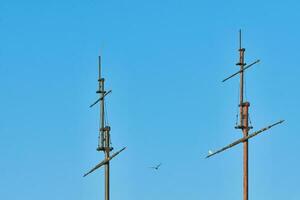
<point x="156" y="167"/>
<point x="210" y="152"/>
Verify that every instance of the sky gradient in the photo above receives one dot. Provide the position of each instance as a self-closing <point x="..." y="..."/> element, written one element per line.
<point x="164" y="61"/>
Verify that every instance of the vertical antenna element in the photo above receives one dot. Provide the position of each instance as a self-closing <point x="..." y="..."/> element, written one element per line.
<point x="101" y="93"/>
<point x="240" y="32"/>
<point x="99" y="67"/>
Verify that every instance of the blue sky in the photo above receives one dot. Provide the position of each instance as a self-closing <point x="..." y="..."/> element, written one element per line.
<point x="164" y="61"/>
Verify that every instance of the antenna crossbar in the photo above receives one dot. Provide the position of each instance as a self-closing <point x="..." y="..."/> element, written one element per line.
<point x="242" y="70"/>
<point x="104" y="162"/>
<point x="101" y="98"/>
<point x="243" y="139"/>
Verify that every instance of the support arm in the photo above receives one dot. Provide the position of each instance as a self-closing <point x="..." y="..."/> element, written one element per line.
<point x="243" y="139"/>
<point x="104" y="162"/>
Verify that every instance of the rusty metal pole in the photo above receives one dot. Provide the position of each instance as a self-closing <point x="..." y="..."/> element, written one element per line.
<point x="104" y="137"/>
<point x="245" y="148"/>
<point x="243" y="119"/>
<point x="107" y="151"/>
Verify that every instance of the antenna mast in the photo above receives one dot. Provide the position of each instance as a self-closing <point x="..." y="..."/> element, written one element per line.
<point x="104" y="134"/>
<point x="244" y="119"/>
<point x="104" y="137"/>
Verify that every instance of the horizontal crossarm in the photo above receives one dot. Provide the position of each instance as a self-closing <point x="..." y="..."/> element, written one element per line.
<point x="104" y="162"/>
<point x="248" y="66"/>
<point x="100" y="99"/>
<point x="244" y="139"/>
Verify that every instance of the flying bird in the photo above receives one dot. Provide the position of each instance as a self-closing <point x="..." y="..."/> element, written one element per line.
<point x="210" y="152"/>
<point x="156" y="167"/>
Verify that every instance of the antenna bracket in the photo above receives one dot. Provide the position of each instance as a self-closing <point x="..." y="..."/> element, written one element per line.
<point x="104" y="148"/>
<point x="243" y="127"/>
<point x="244" y="104"/>
<point x="99" y="91"/>
<point x="241" y="64"/>
<point x="106" y="128"/>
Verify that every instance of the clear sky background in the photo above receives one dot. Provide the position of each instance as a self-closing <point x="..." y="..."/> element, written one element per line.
<point x="164" y="61"/>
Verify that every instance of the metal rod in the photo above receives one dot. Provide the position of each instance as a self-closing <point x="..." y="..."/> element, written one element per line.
<point x="240" y="38"/>
<point x="244" y="139"/>
<point x="106" y="93"/>
<point x="245" y="147"/>
<point x="104" y="132"/>
<point x="95" y="102"/>
<point x="241" y="64"/>
<point x="107" y="151"/>
<point x="99" y="63"/>
<point x="101" y="92"/>
<point x="106" y="160"/>
<point x="244" y="119"/>
<point x="246" y="67"/>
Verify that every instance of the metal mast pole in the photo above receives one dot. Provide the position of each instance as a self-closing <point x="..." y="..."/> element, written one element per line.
<point x="244" y="119"/>
<point x="104" y="137"/>
<point x="107" y="150"/>
<point x="104" y="143"/>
